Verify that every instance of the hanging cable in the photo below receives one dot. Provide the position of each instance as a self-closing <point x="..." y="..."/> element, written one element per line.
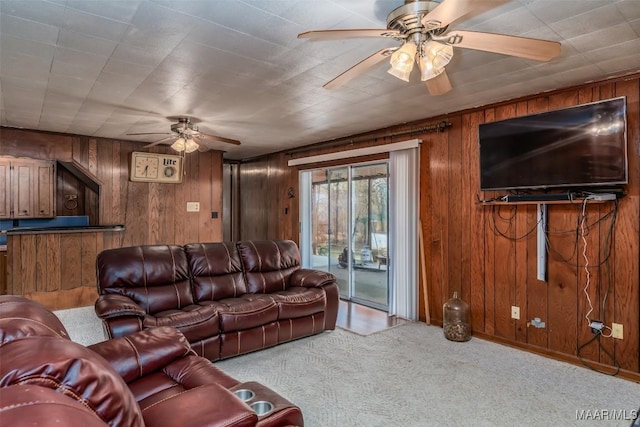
<point x="604" y="263"/>
<point x="583" y="219"/>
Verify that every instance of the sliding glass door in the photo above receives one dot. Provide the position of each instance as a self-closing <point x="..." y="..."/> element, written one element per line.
<point x="345" y="229"/>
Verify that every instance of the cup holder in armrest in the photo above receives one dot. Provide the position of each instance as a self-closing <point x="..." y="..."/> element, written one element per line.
<point x="262" y="407"/>
<point x="244" y="394"/>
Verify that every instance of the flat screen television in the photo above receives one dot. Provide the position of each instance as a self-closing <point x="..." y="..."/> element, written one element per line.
<point x="577" y="147"/>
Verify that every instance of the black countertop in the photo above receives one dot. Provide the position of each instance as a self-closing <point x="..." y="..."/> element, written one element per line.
<point x="57" y="230"/>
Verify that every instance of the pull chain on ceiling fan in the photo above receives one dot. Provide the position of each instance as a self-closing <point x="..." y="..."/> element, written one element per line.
<point x="187" y="137"/>
<point x="422" y="27"/>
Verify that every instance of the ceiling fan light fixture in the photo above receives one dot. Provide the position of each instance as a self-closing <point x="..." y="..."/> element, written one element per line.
<point x="402" y="61"/>
<point x="402" y="74"/>
<point x="433" y="58"/>
<point x="190" y="146"/>
<point x="179" y="145"/>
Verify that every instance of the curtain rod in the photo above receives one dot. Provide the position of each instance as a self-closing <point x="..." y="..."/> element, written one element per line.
<point x="439" y="127"/>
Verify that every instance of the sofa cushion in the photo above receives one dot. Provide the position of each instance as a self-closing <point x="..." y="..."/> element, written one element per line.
<point x="268" y="264"/>
<point x="245" y="312"/>
<point x="156" y="277"/>
<point x="196" y="322"/>
<point x="216" y="270"/>
<point x="298" y="302"/>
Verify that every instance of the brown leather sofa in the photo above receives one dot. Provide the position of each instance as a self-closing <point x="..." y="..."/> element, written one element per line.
<point x="227" y="298"/>
<point x="149" y="378"/>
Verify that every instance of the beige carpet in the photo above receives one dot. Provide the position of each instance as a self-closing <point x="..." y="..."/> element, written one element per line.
<point x="411" y="375"/>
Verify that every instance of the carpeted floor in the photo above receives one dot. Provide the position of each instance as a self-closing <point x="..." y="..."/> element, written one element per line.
<point x="411" y="375"/>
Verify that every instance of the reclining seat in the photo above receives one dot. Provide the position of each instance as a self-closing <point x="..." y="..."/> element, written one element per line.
<point x="38" y="356"/>
<point x="143" y="287"/>
<point x="307" y="300"/>
<point x="248" y="321"/>
<point x="149" y="378"/>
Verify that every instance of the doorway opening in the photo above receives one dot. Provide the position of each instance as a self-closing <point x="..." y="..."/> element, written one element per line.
<point x="345" y="229"/>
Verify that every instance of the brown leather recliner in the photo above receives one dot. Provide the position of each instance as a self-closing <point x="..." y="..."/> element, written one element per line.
<point x="150" y="378"/>
<point x="226" y="298"/>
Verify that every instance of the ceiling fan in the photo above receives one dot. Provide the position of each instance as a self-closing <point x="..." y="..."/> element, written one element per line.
<point x="187" y="136"/>
<point x="422" y="27"/>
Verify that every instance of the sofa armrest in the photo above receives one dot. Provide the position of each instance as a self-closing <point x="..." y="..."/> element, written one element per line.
<point x="208" y="405"/>
<point x="114" y="305"/>
<point x="141" y="353"/>
<point x="311" y="278"/>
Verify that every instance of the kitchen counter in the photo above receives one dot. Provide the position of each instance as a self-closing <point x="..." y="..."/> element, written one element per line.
<point x="57" y="265"/>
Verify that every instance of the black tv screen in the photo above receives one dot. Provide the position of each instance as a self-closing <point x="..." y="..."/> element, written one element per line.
<point x="577" y="147"/>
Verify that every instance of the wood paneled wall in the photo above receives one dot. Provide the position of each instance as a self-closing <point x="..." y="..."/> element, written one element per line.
<point x="266" y="210"/>
<point x="152" y="213"/>
<point x="488" y="254"/>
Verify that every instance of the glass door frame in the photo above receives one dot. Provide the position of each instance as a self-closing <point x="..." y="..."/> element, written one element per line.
<point x="306" y="238"/>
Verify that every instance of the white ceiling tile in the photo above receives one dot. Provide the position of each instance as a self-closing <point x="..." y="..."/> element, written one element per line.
<point x="85" y="43"/>
<point x="12" y="46"/>
<point x="577" y="75"/>
<point x="374" y="11"/>
<point x="33" y="10"/>
<point x="594" y="20"/>
<point x="144" y="38"/>
<point x="93" y="25"/>
<point x="621" y="65"/>
<point x="513" y="22"/>
<point x="116" y="10"/>
<point x="603" y="38"/>
<point x="29" y="30"/>
<point x="308" y="18"/>
<point x="75" y="87"/>
<point x="274" y="7"/>
<point x="25" y="67"/>
<point x="151" y="56"/>
<point x="214" y="35"/>
<point x="630" y="9"/>
<point x="551" y="11"/>
<point x="130" y="69"/>
<point x="77" y="64"/>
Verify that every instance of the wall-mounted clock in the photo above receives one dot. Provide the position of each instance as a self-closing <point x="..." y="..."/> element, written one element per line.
<point x="155" y="167"/>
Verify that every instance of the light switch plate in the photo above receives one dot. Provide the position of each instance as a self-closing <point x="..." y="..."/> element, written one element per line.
<point x="193" y="206"/>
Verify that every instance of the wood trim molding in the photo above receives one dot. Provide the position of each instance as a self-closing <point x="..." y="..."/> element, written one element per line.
<point x="358" y="152"/>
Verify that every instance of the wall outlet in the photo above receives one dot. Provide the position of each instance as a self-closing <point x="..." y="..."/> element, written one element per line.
<point x="515" y="312"/>
<point x="193" y="206"/>
<point x="617" y="330"/>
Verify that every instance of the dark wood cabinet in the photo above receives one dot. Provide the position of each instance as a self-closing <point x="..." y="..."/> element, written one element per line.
<point x="27" y="188"/>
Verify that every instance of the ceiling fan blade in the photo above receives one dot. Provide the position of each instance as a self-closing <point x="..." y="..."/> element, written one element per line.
<point x="360" y="68"/>
<point x="202" y="146"/>
<point x="449" y="11"/>
<point x="349" y="34"/>
<point x="439" y="85"/>
<point x="153" y="144"/>
<point x="523" y="47"/>
<point x="219" y="138"/>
